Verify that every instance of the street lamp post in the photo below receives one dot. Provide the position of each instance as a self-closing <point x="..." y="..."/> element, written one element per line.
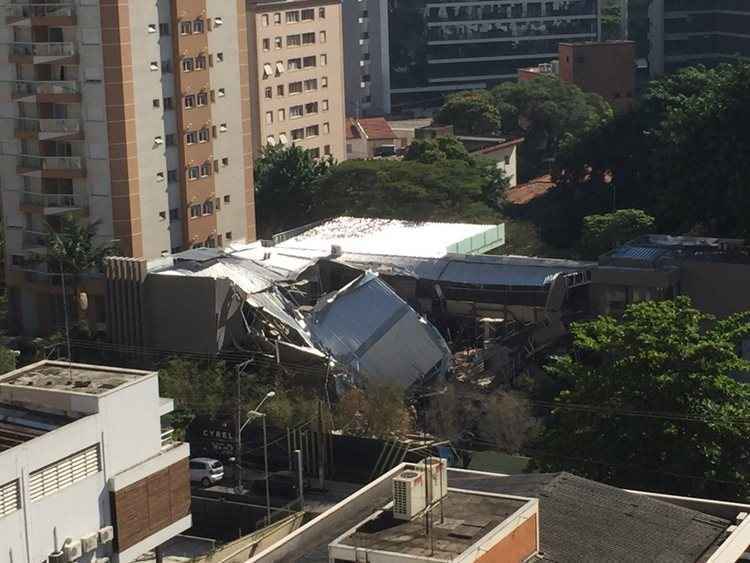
<point x="252" y="415"/>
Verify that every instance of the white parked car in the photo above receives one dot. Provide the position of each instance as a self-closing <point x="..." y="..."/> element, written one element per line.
<point x="206" y="471"/>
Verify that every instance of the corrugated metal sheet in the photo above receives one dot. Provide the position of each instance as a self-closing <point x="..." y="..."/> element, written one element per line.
<point x="274" y="304"/>
<point x="367" y="327"/>
<point x="646" y="253"/>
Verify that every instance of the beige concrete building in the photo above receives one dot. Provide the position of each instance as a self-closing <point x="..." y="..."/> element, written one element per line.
<point x="297" y="75"/>
<point x="133" y="114"/>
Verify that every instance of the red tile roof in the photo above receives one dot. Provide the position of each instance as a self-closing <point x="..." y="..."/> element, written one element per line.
<point x="375" y="128"/>
<point x="524" y="193"/>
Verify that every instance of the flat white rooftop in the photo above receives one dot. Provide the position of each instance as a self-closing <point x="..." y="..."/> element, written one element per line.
<point x="395" y="237"/>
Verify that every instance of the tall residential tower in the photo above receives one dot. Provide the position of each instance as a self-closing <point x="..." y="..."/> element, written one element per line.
<point x="131" y="114"/>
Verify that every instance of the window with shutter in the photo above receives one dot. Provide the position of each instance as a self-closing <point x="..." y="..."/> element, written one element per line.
<point x="64" y="473"/>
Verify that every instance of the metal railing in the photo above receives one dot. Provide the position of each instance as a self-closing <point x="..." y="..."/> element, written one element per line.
<point x="36" y="125"/>
<point x="167" y="438"/>
<point x="64" y="8"/>
<point x="42" y="49"/>
<point x="34" y="162"/>
<point x="34" y="87"/>
<point x="51" y="200"/>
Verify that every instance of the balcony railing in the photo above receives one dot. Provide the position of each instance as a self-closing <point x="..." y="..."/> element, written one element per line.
<point x="33" y="162"/>
<point x="36" y="87"/>
<point x="61" y="126"/>
<point x="64" y="8"/>
<point x="42" y="49"/>
<point x="167" y="438"/>
<point x="69" y="201"/>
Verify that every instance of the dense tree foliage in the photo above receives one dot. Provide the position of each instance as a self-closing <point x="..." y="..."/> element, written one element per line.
<point x="7" y="360"/>
<point x="602" y="233"/>
<point x="377" y="411"/>
<point x="549" y="113"/>
<point x="681" y="155"/>
<point x="650" y="402"/>
<point x="285" y="179"/>
<point x="471" y="113"/>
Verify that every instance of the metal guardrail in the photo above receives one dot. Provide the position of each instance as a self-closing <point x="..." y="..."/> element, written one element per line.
<point x="35" y="162"/>
<point x="37" y="125"/>
<point x="42" y="49"/>
<point x="66" y="8"/>
<point x="51" y="200"/>
<point x="35" y="87"/>
<point x="167" y="438"/>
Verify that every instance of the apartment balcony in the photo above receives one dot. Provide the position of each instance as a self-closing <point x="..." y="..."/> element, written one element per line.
<point x="51" y="166"/>
<point x="48" y="129"/>
<point x="35" y="241"/>
<point x="41" y="53"/>
<point x="55" y="13"/>
<point x="49" y="91"/>
<point x="52" y="204"/>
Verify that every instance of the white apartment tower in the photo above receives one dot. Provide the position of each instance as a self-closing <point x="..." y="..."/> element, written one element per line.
<point x="131" y="114"/>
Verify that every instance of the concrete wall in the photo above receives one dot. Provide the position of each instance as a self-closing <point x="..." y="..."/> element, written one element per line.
<point x="720" y="289"/>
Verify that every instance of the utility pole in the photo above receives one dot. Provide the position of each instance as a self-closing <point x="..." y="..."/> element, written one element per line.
<point x="238" y="437"/>
<point x="321" y="448"/>
<point x="298" y="456"/>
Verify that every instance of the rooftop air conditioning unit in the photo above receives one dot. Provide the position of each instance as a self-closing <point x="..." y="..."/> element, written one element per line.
<point x="408" y="495"/>
<point x="435" y="471"/>
<point x="90" y="542"/>
<point x="72" y="550"/>
<point x="56" y="557"/>
<point x="106" y="534"/>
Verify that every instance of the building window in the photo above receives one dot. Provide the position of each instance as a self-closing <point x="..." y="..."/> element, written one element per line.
<point x="187" y="65"/>
<point x="277" y="18"/>
<point x="311" y="84"/>
<point x="222" y="92"/>
<point x="278" y="42"/>
<point x="324" y="82"/>
<point x="323" y="60"/>
<point x="191" y="137"/>
<point x="227" y="199"/>
<point x="168" y="103"/>
<point x="312" y="131"/>
<point x="189" y="101"/>
<point x="154" y="65"/>
<point x="267" y="70"/>
<point x="156" y="102"/>
<point x="327" y="150"/>
<point x="163" y="29"/>
<point x="312" y="107"/>
<point x="208" y="207"/>
<point x="309" y="38"/>
<point x="203" y="135"/>
<point x="225" y="161"/>
<point x="266" y="44"/>
<point x="280" y="90"/>
<point x="10" y="498"/>
<point x="202" y="99"/>
<point x="322" y="13"/>
<point x="298" y="134"/>
<point x="293" y="41"/>
<point x="295" y="88"/>
<point x="195" y="211"/>
<point x="198" y="26"/>
<point x="294" y="64"/>
<point x="326" y="128"/>
<point x="228" y="235"/>
<point x="292" y="17"/>
<point x="220" y="57"/>
<point x="270" y="140"/>
<point x="324" y="105"/>
<point x="308" y="62"/>
<point x="295" y="112"/>
<point x="269" y="117"/>
<point x="200" y="62"/>
<point x="269" y="92"/>
<point x="264" y="20"/>
<point x="308" y="14"/>
<point x="64" y="473"/>
<point x="322" y="36"/>
<point x="205" y="169"/>
<point x="315" y="153"/>
<point x="282" y="115"/>
<point x="194" y="172"/>
<point x="282" y="138"/>
<point x="186" y="28"/>
<point x="507" y="160"/>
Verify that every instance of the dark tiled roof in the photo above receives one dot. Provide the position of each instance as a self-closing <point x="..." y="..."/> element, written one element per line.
<point x="582" y="520"/>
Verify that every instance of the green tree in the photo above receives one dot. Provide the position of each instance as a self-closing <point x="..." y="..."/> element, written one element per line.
<point x="650" y="402"/>
<point x="285" y="178"/>
<point x="612" y="20"/>
<point x="378" y="410"/>
<point x="424" y="151"/>
<point x="550" y="114"/>
<point x="602" y="233"/>
<point x="7" y="360"/>
<point x="471" y="113"/>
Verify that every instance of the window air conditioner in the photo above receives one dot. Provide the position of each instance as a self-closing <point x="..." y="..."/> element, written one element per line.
<point x="90" y="542"/>
<point x="72" y="550"/>
<point x="106" y="534"/>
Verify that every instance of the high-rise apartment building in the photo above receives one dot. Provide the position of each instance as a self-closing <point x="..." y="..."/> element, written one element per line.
<point x="135" y="115"/>
<point x="440" y="46"/>
<point x="366" y="58"/>
<point x="671" y="34"/>
<point x="297" y="75"/>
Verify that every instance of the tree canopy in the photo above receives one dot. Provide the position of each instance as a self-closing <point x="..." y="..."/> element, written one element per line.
<point x="74" y="248"/>
<point x="285" y="179"/>
<point x="471" y="113"/>
<point x="680" y="155"/>
<point x="650" y="402"/>
<point x="602" y="233"/>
